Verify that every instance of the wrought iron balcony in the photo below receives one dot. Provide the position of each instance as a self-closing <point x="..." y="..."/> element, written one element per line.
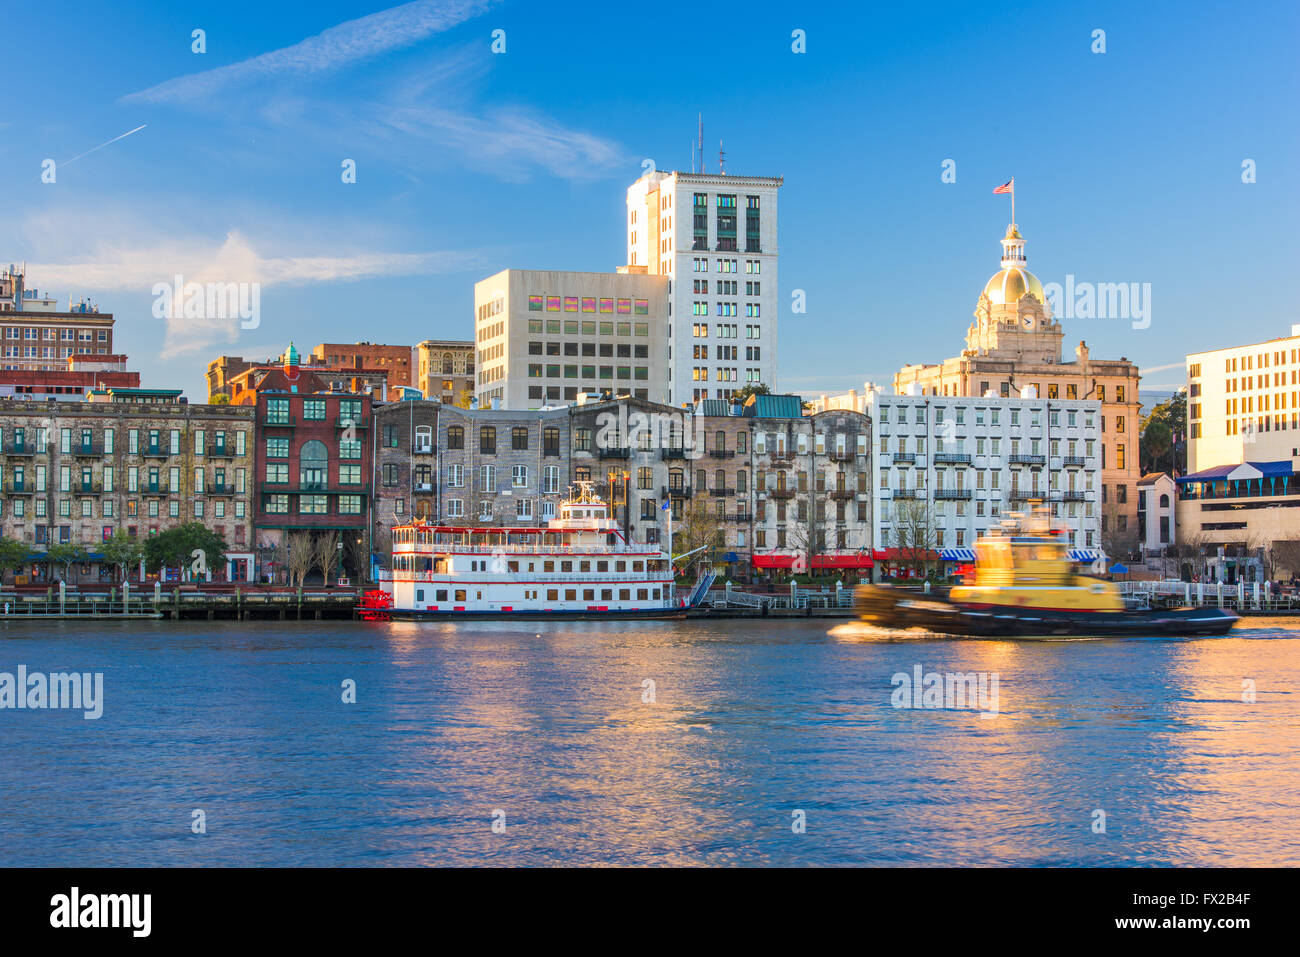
<point x="952" y="458"/>
<point x="1035" y="460"/>
<point x="953" y="494"/>
<point x="1074" y="461"/>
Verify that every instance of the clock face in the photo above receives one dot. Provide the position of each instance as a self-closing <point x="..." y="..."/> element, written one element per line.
<point x="1028" y="321"/>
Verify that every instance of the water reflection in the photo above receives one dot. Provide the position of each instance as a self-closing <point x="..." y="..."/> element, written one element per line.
<point x="751" y="722"/>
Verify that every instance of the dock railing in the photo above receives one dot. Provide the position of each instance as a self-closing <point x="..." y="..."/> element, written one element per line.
<point x="1243" y="596"/>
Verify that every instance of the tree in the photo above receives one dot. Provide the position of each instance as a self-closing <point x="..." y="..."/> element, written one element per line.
<point x="65" y="554"/>
<point x="325" y="553"/>
<point x="1119" y="544"/>
<point x="300" y="556"/>
<point x="1286" y="556"/>
<point x="463" y="399"/>
<point x="1162" y="446"/>
<point x="176" y="548"/>
<point x="357" y="554"/>
<point x="741" y="395"/>
<point x="698" y="527"/>
<point x="218" y="398"/>
<point x="123" y="552"/>
<point x="914" y="532"/>
<point x="13" y="555"/>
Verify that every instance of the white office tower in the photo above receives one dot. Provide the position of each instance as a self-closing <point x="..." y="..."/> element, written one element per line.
<point x="714" y="237"/>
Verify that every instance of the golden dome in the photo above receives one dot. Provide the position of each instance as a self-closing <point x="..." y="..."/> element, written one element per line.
<point x="1008" y="285"/>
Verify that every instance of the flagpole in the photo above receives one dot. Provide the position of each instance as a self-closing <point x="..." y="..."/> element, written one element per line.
<point x="1013" y="201"/>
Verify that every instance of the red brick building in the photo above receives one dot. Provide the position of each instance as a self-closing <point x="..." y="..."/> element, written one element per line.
<point x="312" y="463"/>
<point x="366" y="356"/>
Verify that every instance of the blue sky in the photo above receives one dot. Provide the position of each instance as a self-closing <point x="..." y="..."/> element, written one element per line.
<point x="1128" y="163"/>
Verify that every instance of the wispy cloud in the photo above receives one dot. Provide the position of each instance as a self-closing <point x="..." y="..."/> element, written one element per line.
<point x="348" y="42"/>
<point x="1148" y="370"/>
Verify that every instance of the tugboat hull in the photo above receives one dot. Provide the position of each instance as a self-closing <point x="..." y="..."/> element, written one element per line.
<point x="883" y="607"/>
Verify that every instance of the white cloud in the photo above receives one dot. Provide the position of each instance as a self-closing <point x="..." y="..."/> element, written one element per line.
<point x="338" y="46"/>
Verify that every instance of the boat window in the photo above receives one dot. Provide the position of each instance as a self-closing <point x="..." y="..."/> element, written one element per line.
<point x="419" y="594"/>
<point x="552" y="594"/>
<point x="602" y="566"/>
<point x="584" y="566"/>
<point x="642" y="594"/>
<point x="606" y="594"/>
<point x="588" y="594"/>
<point x="566" y="566"/>
<point x="441" y="594"/>
<point x="624" y="594"/>
<point x="638" y="566"/>
<point x="460" y="594"/>
<point x="620" y="566"/>
<point x="512" y="566"/>
<point x="570" y="594"/>
<point x="656" y="593"/>
<point x="548" y="566"/>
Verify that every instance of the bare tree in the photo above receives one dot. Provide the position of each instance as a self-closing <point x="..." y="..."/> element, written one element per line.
<point x="699" y="526"/>
<point x="1286" y="556"/>
<point x="326" y="553"/>
<point x="300" y="556"/>
<point x="1118" y="543"/>
<point x="914" y="532"/>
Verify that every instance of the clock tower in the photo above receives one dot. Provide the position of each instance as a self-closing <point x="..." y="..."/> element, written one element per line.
<point x="1013" y="319"/>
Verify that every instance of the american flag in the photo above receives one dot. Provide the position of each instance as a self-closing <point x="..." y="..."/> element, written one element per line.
<point x="1006" y="187"/>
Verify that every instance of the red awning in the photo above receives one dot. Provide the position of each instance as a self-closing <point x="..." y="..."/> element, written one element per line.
<point x="853" y="560"/>
<point x="895" y="555"/>
<point x="848" y="560"/>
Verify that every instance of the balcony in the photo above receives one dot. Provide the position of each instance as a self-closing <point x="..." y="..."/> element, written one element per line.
<point x="1037" y="461"/>
<point x="782" y="493"/>
<point x="84" y="450"/>
<point x="721" y="453"/>
<point x="843" y="494"/>
<point x="154" y="488"/>
<point x="1026" y="495"/>
<point x="843" y="455"/>
<point x="222" y="489"/>
<point x="1074" y="462"/>
<point x="907" y="457"/>
<point x="674" y="452"/>
<point x="320" y="488"/>
<point x="676" y="491"/>
<point x="155" y="452"/>
<point x="1074" y="496"/>
<point x="615" y="452"/>
<point x="87" y="488"/>
<point x="220" y="452"/>
<point x="423" y="487"/>
<point x="952" y="494"/>
<point x="347" y="421"/>
<point x="21" y="488"/>
<point x="422" y="450"/>
<point x="907" y="493"/>
<point x="779" y="454"/>
<point x="23" y="450"/>
<point x="744" y="517"/>
<point x="280" y="422"/>
<point x="722" y="492"/>
<point x="951" y="458"/>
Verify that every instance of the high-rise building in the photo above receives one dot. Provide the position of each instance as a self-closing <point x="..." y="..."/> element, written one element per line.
<point x="720" y="258"/>
<point x="36" y="337"/>
<point x="545" y="336"/>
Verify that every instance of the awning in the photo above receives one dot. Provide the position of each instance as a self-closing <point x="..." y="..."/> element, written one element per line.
<point x="1084" y="555"/>
<point x="773" y="561"/>
<point x="904" y="555"/>
<point x="854" y="560"/>
<point x="957" y="554"/>
<point x="731" y="557"/>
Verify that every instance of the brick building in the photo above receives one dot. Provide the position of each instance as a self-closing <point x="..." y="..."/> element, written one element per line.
<point x="393" y="361"/>
<point x="312" y="463"/>
<point x="77" y="472"/>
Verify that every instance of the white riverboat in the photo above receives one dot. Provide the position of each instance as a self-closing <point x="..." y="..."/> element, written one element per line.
<point x="579" y="565"/>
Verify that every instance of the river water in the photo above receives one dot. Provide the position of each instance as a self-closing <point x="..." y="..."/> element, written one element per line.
<point x="766" y="742"/>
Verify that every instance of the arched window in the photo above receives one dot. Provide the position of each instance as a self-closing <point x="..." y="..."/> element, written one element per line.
<point x="424" y="437"/>
<point x="1164" y="501"/>
<point x="446" y="364"/>
<point x="313" y="465"/>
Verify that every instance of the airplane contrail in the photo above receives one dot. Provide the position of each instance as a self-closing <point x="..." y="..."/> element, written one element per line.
<point x="102" y="145"/>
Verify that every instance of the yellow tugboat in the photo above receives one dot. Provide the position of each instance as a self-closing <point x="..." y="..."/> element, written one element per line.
<point x="1025" y="585"/>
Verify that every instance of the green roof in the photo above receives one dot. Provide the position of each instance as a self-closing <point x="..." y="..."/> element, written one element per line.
<point x="775" y="407"/>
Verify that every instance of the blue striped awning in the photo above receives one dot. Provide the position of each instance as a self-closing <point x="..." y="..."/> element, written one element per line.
<point x="957" y="554"/>
<point x="1084" y="555"/>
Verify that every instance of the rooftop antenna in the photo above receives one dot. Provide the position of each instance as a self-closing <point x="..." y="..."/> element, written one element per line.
<point x="722" y="165"/>
<point x="701" y="138"/>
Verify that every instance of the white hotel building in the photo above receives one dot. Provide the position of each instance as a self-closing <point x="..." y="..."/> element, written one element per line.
<point x="714" y="237"/>
<point x="972" y="460"/>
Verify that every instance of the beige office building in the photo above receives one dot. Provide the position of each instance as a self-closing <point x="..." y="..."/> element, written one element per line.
<point x="542" y="337"/>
